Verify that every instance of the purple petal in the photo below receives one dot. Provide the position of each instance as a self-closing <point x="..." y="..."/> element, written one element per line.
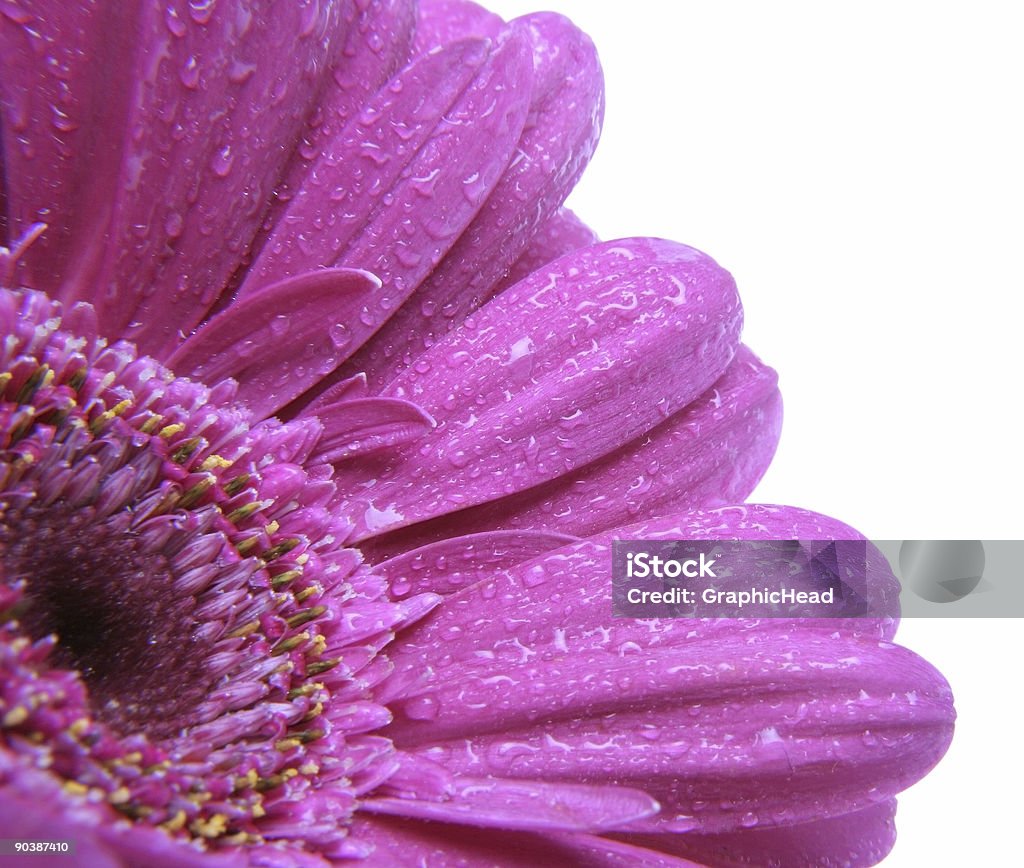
<point x="343" y="390"/>
<point x="398" y="841"/>
<point x="365" y="425"/>
<point x="378" y="42"/>
<point x="714" y="451"/>
<point x="441" y="22"/>
<point x="730" y="724"/>
<point x="392" y="194"/>
<point x="4" y="239"/>
<point x="560" y="370"/>
<point x="452" y="564"/>
<point x="60" y="160"/>
<point x="561" y="234"/>
<point x="174" y="123"/>
<point x="859" y="839"/>
<point x="519" y="804"/>
<point x="279" y="341"/>
<point x="558" y="140"/>
<point x="32" y="806"/>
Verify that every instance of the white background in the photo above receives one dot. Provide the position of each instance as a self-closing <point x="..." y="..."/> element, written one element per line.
<point x="858" y="168"/>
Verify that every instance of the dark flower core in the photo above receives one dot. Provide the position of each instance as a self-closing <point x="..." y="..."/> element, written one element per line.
<point x="184" y="638"/>
<point x="112" y="608"/>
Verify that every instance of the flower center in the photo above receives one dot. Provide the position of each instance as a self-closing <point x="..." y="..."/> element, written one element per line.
<point x="112" y="607"/>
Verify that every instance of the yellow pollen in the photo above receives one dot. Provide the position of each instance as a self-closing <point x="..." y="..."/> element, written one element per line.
<point x="176" y="822"/>
<point x="306" y="593"/>
<point x="211" y="828"/>
<point x="249" y="779"/>
<point x="149" y="426"/>
<point x="244" y="630"/>
<point x="214" y="462"/>
<point x="196" y="492"/>
<point x="16" y="716"/>
<point x="305" y="616"/>
<point x="237" y="484"/>
<point x="186" y="450"/>
<point x="244" y="512"/>
<point x="285" y="577"/>
<point x="243" y="547"/>
<point x="120" y="796"/>
<point x="107" y="416"/>
<point x="169" y="431"/>
<point x="314" y="712"/>
<point x="75" y="788"/>
<point x="319" y="646"/>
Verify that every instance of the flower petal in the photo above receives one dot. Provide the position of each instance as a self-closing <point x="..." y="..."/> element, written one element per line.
<point x="859" y="839"/>
<point x="60" y="164"/>
<point x="401" y="841"/>
<point x="713" y="451"/>
<point x="403" y="180"/>
<point x="174" y="123"/>
<point x="728" y="723"/>
<point x="278" y="341"/>
<point x="364" y="425"/>
<point x="378" y="42"/>
<point x="518" y="804"/>
<point x="441" y="22"/>
<point x="452" y="564"/>
<point x="33" y="806"/>
<point x="618" y="336"/>
<point x="558" y="140"/>
<point x="562" y="233"/>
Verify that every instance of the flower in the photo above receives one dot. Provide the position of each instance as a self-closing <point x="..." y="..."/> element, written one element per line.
<point x="319" y="416"/>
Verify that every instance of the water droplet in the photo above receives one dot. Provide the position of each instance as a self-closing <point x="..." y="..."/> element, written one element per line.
<point x="222" y="162"/>
<point x="239" y="72"/>
<point x="748" y="820"/>
<point x="190" y="73"/>
<point x="340" y="335"/>
<point x="174" y="225"/>
<point x="422" y="708"/>
<point x="473" y="188"/>
<point x="61" y="121"/>
<point x="407" y="256"/>
<point x="174" y="23"/>
<point x="279" y="325"/>
<point x="14" y="12"/>
<point x="534" y="576"/>
<point x="201" y="10"/>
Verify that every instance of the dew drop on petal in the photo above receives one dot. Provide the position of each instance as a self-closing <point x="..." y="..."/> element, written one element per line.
<point x="222" y="162"/>
<point x="340" y="335"/>
<point x="422" y="708"/>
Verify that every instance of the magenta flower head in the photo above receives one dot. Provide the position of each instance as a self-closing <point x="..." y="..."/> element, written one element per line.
<point x="318" y="417"/>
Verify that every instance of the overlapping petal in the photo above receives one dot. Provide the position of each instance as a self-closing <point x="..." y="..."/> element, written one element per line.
<point x="558" y="139"/>
<point x="730" y="725"/>
<point x="711" y="452"/>
<point x="350" y="214"/>
<point x="606" y="343"/>
<point x="153" y="137"/>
